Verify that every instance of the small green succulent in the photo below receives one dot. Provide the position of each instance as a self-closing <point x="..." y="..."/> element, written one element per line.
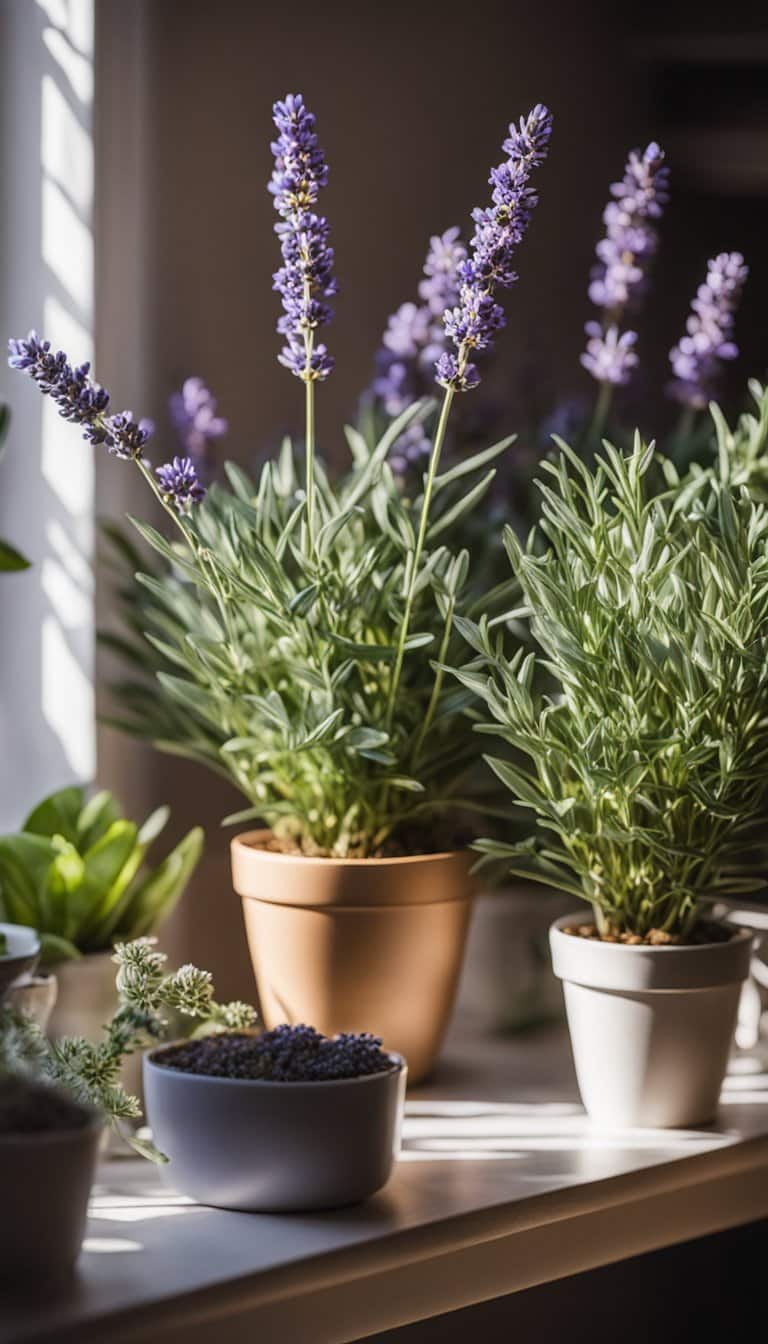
<point x="75" y="873"/>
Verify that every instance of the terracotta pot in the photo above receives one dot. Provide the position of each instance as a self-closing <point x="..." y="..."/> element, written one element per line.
<point x="357" y="944"/>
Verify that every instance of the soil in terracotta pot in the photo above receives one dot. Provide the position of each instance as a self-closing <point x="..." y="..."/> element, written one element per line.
<point x="288" y="1054"/>
<point x="27" y="1107"/>
<point x="704" y="932"/>
<point x="404" y="845"/>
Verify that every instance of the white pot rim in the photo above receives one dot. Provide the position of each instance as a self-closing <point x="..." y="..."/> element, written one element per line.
<point x="642" y="968"/>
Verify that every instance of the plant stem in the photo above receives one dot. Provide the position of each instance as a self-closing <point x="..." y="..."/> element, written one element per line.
<point x="310" y="462"/>
<point x="434" y="462"/>
<point x="602" y="407"/>
<point x="436" y="689"/>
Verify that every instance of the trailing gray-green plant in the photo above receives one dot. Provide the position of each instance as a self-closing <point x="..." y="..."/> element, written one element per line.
<point x="645" y="769"/>
<point x="76" y="873"/>
<point x="309" y="670"/>
<point x="90" y="1071"/>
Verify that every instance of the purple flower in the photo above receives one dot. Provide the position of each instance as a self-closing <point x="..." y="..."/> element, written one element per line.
<point x="413" y="340"/>
<point x="305" y="280"/>
<point x="179" y="483"/>
<point x="475" y="320"/>
<point x="193" y="411"/>
<point x="610" y="356"/>
<point x="623" y="257"/>
<point x="78" y="398"/>
<point x="697" y="358"/>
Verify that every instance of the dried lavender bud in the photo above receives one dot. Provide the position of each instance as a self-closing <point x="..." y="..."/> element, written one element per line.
<point x="289" y="1054"/>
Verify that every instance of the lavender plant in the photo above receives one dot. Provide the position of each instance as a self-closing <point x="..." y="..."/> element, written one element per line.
<point x="199" y="426"/>
<point x="90" y="1071"/>
<point x="698" y="357"/>
<point x="308" y="620"/>
<point x="644" y="769"/>
<point x="620" y="275"/>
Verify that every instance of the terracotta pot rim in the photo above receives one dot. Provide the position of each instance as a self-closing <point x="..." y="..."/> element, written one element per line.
<point x="399" y="1064"/>
<point x="245" y="844"/>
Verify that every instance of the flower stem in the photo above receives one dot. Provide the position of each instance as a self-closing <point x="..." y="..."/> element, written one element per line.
<point x="310" y="460"/>
<point x="434" y="462"/>
<point x="602" y="407"/>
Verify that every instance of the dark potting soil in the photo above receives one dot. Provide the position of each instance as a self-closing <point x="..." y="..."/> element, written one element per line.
<point x="27" y="1107"/>
<point x="706" y="931"/>
<point x="286" y="1054"/>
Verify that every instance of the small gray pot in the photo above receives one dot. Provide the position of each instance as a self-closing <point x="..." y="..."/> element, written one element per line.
<point x="271" y="1147"/>
<point x="45" y="1182"/>
<point x="21" y="956"/>
<point x="651" y="1027"/>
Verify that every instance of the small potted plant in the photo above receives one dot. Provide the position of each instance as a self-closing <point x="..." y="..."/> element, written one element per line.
<point x="307" y="621"/>
<point x="643" y="766"/>
<point x="77" y="874"/>
<point x="280" y="1122"/>
<point x="48" y="1149"/>
<point x="57" y="1096"/>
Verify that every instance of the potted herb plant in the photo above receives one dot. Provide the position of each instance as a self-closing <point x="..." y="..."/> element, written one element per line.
<point x="57" y="1096"/>
<point x="307" y="621"/>
<point x="76" y="873"/>
<point x="643" y="766"/>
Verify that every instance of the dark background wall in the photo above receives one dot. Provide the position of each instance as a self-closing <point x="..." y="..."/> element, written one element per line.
<point x="412" y="101"/>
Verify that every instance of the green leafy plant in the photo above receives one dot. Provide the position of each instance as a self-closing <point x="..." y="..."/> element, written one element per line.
<point x="310" y="671"/>
<point x="10" y="558"/>
<point x="76" y="873"/>
<point x="645" y="768"/>
<point x="90" y="1071"/>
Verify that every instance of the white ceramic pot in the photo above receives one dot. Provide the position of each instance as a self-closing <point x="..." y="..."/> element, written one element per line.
<point x="651" y="1027"/>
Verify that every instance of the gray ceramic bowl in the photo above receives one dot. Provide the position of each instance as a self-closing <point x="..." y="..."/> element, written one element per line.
<point x="22" y="952"/>
<point x="275" y="1147"/>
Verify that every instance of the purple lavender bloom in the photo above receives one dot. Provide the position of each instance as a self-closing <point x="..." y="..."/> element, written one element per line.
<point x="78" y="398"/>
<point x="193" y="411"/>
<point x="623" y="258"/>
<point x="698" y="356"/>
<point x="610" y="355"/>
<point x="413" y="341"/>
<point x="179" y="483"/>
<point x="474" y="322"/>
<point x="305" y="280"/>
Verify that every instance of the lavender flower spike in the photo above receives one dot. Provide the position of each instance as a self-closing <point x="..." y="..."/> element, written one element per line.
<point x="179" y="483"/>
<point x="623" y="258"/>
<point x="305" y="280"/>
<point x="78" y="397"/>
<point x="474" y="322"/>
<point x="194" y="414"/>
<point x="413" y="340"/>
<point x="697" y="358"/>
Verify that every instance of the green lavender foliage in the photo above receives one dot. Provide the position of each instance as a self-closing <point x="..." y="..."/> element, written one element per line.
<point x="10" y="558"/>
<point x="645" y="769"/>
<point x="276" y="652"/>
<point x="76" y="873"/>
<point x="89" y="1071"/>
